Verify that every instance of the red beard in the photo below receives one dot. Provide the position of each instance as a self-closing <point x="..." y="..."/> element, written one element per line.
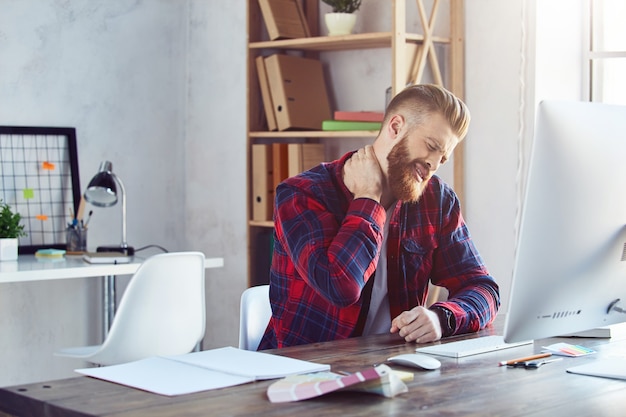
<point x="402" y="181"/>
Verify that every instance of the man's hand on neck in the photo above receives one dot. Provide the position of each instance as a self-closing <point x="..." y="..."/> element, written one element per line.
<point x="363" y="175"/>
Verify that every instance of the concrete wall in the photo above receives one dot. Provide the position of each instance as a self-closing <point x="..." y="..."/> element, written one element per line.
<point x="158" y="88"/>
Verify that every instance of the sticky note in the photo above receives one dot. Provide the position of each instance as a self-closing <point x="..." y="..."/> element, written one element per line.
<point x="567" y="349"/>
<point x="41" y="217"/>
<point x="28" y="193"/>
<point x="47" y="165"/>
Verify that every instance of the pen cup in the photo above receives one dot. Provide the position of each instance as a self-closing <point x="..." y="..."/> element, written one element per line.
<point x="76" y="239"/>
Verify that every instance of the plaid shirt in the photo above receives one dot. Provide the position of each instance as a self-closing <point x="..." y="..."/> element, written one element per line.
<point x="326" y="248"/>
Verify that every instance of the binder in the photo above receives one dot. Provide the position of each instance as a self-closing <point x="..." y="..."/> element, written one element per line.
<point x="304" y="156"/>
<point x="280" y="163"/>
<point x="268" y="106"/>
<point x="298" y="92"/>
<point x="284" y="19"/>
<point x="262" y="183"/>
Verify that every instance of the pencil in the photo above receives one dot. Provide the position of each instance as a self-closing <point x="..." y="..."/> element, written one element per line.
<point x="526" y="359"/>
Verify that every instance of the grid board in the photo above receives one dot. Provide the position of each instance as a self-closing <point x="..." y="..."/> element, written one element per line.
<point x="39" y="180"/>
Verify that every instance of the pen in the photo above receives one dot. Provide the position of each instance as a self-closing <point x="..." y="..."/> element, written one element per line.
<point x="526" y="359"/>
<point x="88" y="218"/>
<point x="537" y="364"/>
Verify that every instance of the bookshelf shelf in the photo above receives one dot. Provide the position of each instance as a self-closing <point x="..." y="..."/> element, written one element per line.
<point x="315" y="134"/>
<point x="258" y="223"/>
<point x="343" y="43"/>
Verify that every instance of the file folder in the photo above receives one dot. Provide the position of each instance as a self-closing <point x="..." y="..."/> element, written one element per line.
<point x="304" y="156"/>
<point x="262" y="184"/>
<point x="298" y="92"/>
<point x="268" y="106"/>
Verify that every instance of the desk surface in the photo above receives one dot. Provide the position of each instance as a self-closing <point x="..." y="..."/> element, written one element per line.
<point x="31" y="268"/>
<point x="474" y="385"/>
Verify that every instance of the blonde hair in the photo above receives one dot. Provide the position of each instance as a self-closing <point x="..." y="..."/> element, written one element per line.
<point x="418" y="101"/>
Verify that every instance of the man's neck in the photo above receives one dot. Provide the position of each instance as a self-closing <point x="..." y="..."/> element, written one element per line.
<point x="387" y="200"/>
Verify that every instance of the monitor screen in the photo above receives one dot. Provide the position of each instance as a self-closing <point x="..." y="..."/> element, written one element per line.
<point x="570" y="261"/>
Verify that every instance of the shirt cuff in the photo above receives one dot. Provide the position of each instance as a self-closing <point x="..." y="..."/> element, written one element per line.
<point x="446" y="319"/>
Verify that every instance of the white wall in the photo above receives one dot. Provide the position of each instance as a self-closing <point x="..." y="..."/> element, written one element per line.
<point x="158" y="88"/>
<point x="517" y="53"/>
<point x="215" y="157"/>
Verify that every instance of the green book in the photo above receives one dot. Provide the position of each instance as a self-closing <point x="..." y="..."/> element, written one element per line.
<point x="349" y="125"/>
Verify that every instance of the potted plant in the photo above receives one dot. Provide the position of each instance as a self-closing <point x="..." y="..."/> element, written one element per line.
<point x="342" y="19"/>
<point x="10" y="231"/>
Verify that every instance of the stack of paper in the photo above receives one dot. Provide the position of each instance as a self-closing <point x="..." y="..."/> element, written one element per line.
<point x="50" y="253"/>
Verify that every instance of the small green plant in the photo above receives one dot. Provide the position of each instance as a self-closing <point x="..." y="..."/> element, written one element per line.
<point x="10" y="226"/>
<point x="344" y="6"/>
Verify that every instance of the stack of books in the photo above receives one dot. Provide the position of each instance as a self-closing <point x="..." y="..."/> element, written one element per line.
<point x="354" y="120"/>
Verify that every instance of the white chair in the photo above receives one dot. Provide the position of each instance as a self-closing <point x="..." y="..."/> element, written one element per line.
<point x="255" y="313"/>
<point x="162" y="312"/>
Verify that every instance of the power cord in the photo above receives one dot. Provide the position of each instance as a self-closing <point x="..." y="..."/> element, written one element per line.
<point x="152" y="246"/>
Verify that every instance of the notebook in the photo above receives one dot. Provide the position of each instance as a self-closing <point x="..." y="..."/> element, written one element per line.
<point x="606" y="368"/>
<point x="106" y="258"/>
<point x="200" y="371"/>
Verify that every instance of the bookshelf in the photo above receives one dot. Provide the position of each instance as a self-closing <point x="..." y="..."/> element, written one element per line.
<point x="411" y="53"/>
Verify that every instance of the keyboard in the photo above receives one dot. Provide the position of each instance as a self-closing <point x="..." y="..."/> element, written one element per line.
<point x="469" y="347"/>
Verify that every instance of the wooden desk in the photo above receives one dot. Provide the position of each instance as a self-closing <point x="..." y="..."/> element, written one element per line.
<point x="471" y="386"/>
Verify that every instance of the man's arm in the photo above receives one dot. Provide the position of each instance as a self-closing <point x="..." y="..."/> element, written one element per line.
<point x="457" y="266"/>
<point x="333" y="249"/>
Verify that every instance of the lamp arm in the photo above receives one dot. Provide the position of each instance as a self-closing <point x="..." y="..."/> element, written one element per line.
<point x="121" y="184"/>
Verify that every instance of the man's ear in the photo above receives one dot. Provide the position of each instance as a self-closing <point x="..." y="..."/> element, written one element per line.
<point x="396" y="123"/>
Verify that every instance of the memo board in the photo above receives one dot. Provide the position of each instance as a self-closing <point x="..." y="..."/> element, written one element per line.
<point x="39" y="180"/>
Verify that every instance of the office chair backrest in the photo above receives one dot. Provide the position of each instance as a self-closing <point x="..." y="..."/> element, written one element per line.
<point x="255" y="313"/>
<point x="162" y="311"/>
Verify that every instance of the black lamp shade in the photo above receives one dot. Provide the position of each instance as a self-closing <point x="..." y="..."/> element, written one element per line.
<point x="102" y="190"/>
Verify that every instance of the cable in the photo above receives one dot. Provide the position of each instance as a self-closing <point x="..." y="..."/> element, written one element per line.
<point x="152" y="246"/>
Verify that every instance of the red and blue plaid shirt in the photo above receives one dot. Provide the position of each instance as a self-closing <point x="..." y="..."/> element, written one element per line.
<point x="326" y="248"/>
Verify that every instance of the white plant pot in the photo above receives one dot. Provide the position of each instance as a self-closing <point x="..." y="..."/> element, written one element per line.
<point x="8" y="249"/>
<point x="339" y="23"/>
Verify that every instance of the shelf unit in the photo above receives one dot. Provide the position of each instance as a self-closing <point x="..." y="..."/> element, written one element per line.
<point x="398" y="40"/>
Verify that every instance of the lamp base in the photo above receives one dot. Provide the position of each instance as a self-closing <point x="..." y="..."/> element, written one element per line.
<point x="128" y="251"/>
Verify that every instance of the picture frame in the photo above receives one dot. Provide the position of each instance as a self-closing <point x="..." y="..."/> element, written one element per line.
<point x="39" y="179"/>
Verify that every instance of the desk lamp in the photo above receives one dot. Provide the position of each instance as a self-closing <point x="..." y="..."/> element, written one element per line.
<point x="102" y="192"/>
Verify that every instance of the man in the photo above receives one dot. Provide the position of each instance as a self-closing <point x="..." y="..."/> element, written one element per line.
<point x="357" y="240"/>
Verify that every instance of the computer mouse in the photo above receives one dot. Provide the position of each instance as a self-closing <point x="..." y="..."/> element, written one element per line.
<point x="416" y="360"/>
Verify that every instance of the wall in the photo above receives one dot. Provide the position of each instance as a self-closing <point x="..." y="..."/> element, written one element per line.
<point x="215" y="157"/>
<point x="517" y="53"/>
<point x="155" y="87"/>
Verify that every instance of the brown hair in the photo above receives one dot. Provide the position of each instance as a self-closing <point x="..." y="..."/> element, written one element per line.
<point x="416" y="102"/>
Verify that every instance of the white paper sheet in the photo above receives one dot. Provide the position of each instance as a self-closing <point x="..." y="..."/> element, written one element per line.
<point x="257" y="365"/>
<point x="201" y="371"/>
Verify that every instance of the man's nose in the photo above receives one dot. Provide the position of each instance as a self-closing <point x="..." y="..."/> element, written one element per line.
<point x="433" y="162"/>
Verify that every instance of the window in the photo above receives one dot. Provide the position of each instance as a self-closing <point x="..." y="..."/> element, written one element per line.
<point x="607" y="51"/>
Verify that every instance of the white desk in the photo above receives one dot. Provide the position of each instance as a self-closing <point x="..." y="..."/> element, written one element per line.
<point x="30" y="268"/>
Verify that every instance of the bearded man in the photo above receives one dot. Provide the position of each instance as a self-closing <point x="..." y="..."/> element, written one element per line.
<point x="358" y="240"/>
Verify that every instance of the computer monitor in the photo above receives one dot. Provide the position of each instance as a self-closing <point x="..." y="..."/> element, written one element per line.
<point x="570" y="263"/>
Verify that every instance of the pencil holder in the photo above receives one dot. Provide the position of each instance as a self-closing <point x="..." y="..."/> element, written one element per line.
<point x="76" y="239"/>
